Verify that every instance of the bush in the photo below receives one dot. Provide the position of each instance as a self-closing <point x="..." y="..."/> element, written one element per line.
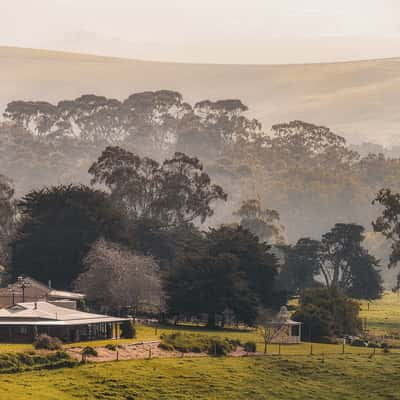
<point x="250" y="347"/>
<point x="27" y="361"/>
<point x="47" y="342"/>
<point x="219" y="347"/>
<point x="128" y="330"/>
<point x="234" y="343"/>
<point x="327" y="313"/>
<point x="327" y="340"/>
<point x="89" y="351"/>
<point x="196" y="349"/>
<point x="166" y="346"/>
<point x="359" y="343"/>
<point x="111" y="347"/>
<point x="191" y="343"/>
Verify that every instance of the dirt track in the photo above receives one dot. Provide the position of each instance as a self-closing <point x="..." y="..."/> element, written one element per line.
<point x="141" y="350"/>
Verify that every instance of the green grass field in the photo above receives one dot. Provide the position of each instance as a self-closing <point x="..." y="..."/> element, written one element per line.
<point x="251" y="378"/>
<point x="294" y="374"/>
<point x="383" y="315"/>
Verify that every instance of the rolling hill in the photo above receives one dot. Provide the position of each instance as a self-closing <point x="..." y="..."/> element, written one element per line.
<point x="358" y="100"/>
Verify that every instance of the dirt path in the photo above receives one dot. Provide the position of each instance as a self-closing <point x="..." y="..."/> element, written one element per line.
<point x="141" y="350"/>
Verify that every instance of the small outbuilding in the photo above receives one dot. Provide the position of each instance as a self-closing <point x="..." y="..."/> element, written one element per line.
<point x="23" y="322"/>
<point x="27" y="289"/>
<point x="283" y="329"/>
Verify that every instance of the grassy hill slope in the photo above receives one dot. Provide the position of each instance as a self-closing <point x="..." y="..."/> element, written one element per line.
<point x="313" y="377"/>
<point x="358" y="99"/>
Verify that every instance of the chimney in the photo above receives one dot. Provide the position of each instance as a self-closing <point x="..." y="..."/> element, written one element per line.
<point x="49" y="284"/>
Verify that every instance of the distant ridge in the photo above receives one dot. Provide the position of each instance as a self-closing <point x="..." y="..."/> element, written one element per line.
<point x="357" y="99"/>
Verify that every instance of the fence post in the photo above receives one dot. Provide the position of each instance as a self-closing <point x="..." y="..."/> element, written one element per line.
<point x="311" y="350"/>
<point x="343" y="348"/>
<point x="279" y="349"/>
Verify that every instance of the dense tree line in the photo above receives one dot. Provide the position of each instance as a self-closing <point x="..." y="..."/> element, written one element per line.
<point x="136" y="243"/>
<point x="96" y="240"/>
<point x="306" y="172"/>
<point x="138" y="214"/>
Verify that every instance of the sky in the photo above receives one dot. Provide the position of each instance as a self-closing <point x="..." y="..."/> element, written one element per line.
<point x="212" y="31"/>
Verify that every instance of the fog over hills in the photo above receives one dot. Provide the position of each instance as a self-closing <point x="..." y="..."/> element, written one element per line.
<point x="358" y="100"/>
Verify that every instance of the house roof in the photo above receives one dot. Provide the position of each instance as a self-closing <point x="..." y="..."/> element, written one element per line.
<point x="44" y="313"/>
<point x="283" y="322"/>
<point x="56" y="294"/>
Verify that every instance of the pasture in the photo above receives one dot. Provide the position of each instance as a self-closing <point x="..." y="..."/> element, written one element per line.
<point x="383" y="315"/>
<point x="336" y="377"/>
<point x="287" y="372"/>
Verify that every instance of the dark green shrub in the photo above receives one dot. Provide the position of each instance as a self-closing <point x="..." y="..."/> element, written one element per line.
<point x="234" y="343"/>
<point x="128" y="330"/>
<point x="47" y="342"/>
<point x="89" y="351"/>
<point x="327" y="313"/>
<point x="191" y="343"/>
<point x="359" y="343"/>
<point x="166" y="346"/>
<point x="196" y="349"/>
<point x="250" y="347"/>
<point x="327" y="340"/>
<point x="219" y="347"/>
<point x="111" y="347"/>
<point x="33" y="361"/>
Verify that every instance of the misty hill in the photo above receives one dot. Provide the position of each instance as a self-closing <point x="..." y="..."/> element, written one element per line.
<point x="358" y="100"/>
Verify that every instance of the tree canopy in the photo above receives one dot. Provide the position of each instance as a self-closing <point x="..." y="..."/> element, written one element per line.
<point x="388" y="222"/>
<point x="175" y="192"/>
<point x="115" y="279"/>
<point x="327" y="313"/>
<point x="264" y="223"/>
<point x="229" y="271"/>
<point x="345" y="263"/>
<point x="57" y="227"/>
<point x="301" y="266"/>
<point x="339" y="261"/>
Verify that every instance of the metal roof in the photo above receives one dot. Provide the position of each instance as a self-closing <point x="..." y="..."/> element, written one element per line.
<point x="44" y="313"/>
<point x="285" y="322"/>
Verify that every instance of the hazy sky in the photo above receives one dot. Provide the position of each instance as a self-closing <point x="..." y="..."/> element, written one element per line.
<point x="251" y="31"/>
